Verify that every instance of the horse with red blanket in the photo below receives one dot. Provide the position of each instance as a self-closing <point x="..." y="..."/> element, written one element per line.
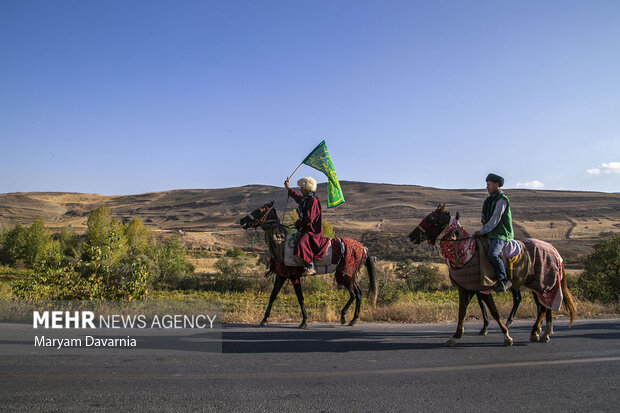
<point x="342" y="256"/>
<point x="532" y="263"/>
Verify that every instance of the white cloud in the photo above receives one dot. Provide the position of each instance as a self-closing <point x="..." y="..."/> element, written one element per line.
<point x="531" y="185"/>
<point x="605" y="168"/>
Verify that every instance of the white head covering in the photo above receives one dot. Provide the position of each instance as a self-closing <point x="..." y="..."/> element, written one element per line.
<point x="308" y="183"/>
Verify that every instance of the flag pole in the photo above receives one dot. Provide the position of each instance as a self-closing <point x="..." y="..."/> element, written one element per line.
<point x="288" y="196"/>
<point x="289" y="178"/>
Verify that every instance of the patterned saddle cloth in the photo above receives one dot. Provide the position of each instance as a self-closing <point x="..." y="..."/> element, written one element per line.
<point x="324" y="266"/>
<point x="513" y="255"/>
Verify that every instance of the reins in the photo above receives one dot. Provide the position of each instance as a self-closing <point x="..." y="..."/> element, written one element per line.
<point x="443" y="239"/>
<point x="263" y="220"/>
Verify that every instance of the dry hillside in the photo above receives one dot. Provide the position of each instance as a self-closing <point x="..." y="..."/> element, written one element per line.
<point x="379" y="214"/>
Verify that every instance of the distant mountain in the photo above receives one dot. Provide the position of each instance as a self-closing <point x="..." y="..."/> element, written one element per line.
<point x="379" y="214"/>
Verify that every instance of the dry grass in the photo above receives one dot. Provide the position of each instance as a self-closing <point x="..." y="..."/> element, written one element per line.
<point x="421" y="307"/>
<point x="325" y="304"/>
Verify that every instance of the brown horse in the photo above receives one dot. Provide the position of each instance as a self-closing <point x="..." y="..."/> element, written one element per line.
<point x="348" y="256"/>
<point x="538" y="267"/>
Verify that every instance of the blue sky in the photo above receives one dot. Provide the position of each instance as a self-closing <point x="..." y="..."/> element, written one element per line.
<point x="121" y="97"/>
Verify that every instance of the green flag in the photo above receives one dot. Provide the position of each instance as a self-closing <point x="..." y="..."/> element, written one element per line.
<point x="320" y="160"/>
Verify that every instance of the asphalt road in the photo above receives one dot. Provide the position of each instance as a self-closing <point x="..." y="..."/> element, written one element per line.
<point x="369" y="367"/>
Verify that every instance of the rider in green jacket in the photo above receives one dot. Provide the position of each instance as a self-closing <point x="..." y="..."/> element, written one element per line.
<point x="497" y="226"/>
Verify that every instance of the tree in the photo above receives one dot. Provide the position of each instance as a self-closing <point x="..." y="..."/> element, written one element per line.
<point x="171" y="259"/>
<point x="600" y="279"/>
<point x="13" y="245"/>
<point x="137" y="236"/>
<point x="69" y="242"/>
<point x="98" y="226"/>
<point x="31" y="246"/>
<point x="106" y="242"/>
<point x="38" y="242"/>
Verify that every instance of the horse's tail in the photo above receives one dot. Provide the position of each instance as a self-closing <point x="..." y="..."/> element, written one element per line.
<point x="569" y="301"/>
<point x="373" y="290"/>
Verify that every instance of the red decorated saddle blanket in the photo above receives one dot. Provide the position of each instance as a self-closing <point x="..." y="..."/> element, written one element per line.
<point x="322" y="266"/>
<point x="546" y="272"/>
<point x="344" y="256"/>
<point x="468" y="276"/>
<point x="350" y="261"/>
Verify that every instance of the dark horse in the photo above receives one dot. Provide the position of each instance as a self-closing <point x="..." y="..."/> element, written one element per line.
<point x="349" y="264"/>
<point x="516" y="300"/>
<point x="538" y="267"/>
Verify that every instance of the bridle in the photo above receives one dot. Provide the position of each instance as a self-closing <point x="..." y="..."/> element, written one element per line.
<point x="443" y="238"/>
<point x="263" y="219"/>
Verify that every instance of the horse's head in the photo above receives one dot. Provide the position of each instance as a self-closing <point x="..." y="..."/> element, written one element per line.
<point x="257" y="217"/>
<point x="431" y="226"/>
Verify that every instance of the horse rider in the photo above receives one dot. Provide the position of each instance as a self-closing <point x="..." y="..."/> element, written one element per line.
<point x="497" y="226"/>
<point x="311" y="244"/>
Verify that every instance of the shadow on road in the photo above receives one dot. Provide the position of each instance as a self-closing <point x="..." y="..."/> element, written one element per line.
<point x="336" y="340"/>
<point x="248" y="339"/>
<point x="594" y="330"/>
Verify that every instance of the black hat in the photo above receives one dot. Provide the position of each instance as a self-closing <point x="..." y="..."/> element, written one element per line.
<point x="495" y="178"/>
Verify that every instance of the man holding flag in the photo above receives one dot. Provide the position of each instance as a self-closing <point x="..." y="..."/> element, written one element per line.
<point x="311" y="243"/>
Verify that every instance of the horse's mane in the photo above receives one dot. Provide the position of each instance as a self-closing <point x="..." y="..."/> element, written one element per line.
<point x="275" y="235"/>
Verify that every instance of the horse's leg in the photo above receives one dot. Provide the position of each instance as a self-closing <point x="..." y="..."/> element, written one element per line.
<point x="346" y="307"/>
<point x="464" y="299"/>
<point x="300" y="298"/>
<point x="277" y="286"/>
<point x="516" y="300"/>
<point x="358" y="302"/>
<point x="548" y="327"/>
<point x="485" y="317"/>
<point x="536" y="328"/>
<point x="488" y="299"/>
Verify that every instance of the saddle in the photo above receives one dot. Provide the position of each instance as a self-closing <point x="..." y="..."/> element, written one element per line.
<point x="324" y="266"/>
<point x="514" y="256"/>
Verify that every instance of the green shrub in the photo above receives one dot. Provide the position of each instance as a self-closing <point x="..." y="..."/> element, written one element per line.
<point x="572" y="281"/>
<point x="421" y="277"/>
<point x="13" y="245"/>
<point x="233" y="274"/>
<point x="69" y="243"/>
<point x="171" y="260"/>
<point x="235" y="252"/>
<point x="106" y="243"/>
<point x="115" y="262"/>
<point x="600" y="280"/>
<point x="389" y="291"/>
<point x="314" y="284"/>
<point x="137" y="237"/>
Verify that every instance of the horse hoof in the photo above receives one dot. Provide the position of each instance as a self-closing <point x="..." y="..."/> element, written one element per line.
<point x="534" y="338"/>
<point x="303" y="325"/>
<point x="508" y="323"/>
<point x="451" y="343"/>
<point x="508" y="341"/>
<point x="483" y="332"/>
<point x="263" y="323"/>
<point x="352" y="322"/>
<point x="545" y="339"/>
<point x="343" y="321"/>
